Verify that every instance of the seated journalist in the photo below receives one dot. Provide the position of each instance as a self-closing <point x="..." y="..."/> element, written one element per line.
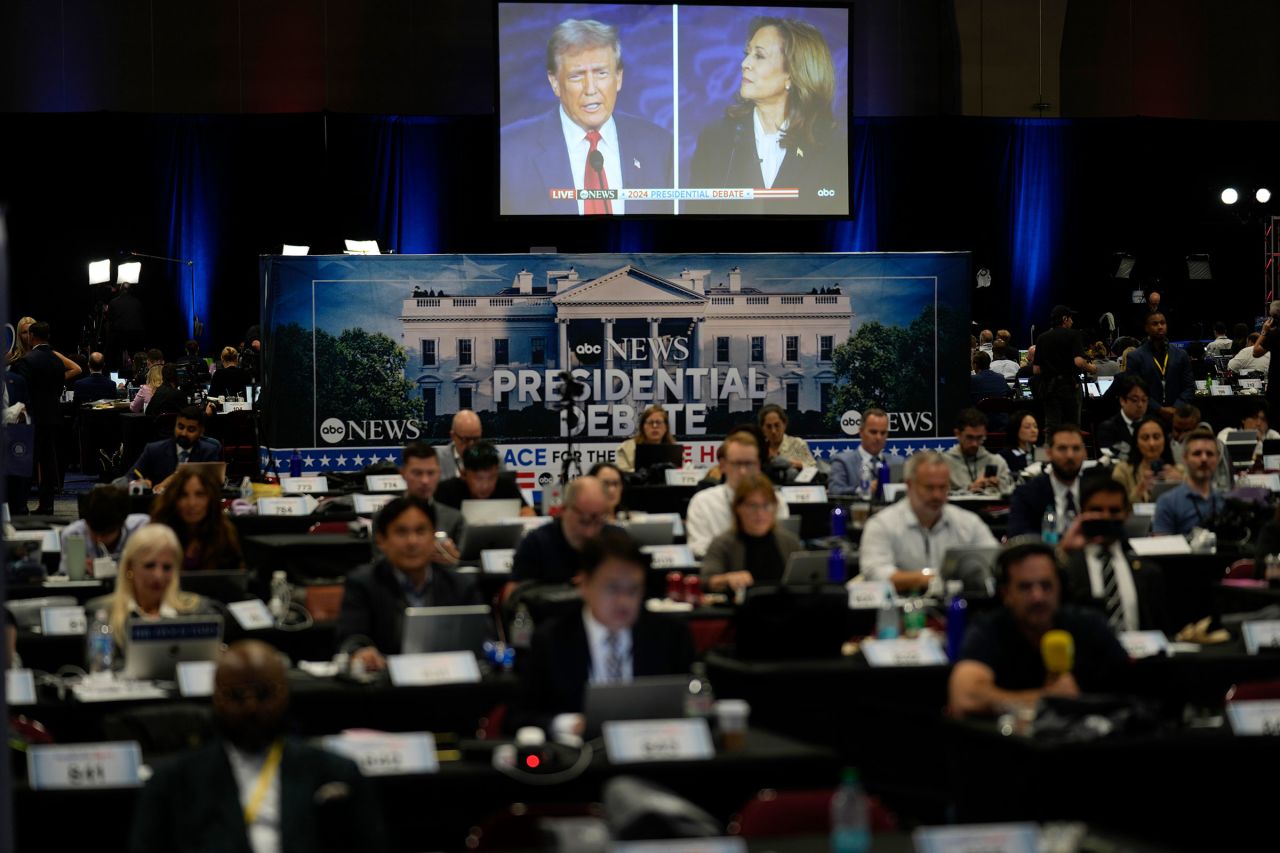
<point x="371" y="622"/>
<point x="252" y="788"/>
<point x="1001" y="665"/>
<point x="755" y="550"/>
<point x="160" y="459"/>
<point x="192" y="507"/>
<point x="611" y="639"/>
<point x="105" y="527"/>
<point x="481" y="479"/>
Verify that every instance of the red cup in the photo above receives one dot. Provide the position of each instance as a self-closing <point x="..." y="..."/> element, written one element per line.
<point x="693" y="589"/>
<point x="675" y="586"/>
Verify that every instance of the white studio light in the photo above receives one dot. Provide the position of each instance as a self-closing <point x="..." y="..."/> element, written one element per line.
<point x="1263" y="195"/>
<point x="362" y="247"/>
<point x="295" y="250"/>
<point x="100" y="272"/>
<point x="1230" y="196"/>
<point x="128" y="273"/>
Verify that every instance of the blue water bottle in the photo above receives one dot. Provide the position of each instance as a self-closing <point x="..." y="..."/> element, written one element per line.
<point x="839" y="521"/>
<point x="957" y="622"/>
<point x="295" y="464"/>
<point x="835" y="565"/>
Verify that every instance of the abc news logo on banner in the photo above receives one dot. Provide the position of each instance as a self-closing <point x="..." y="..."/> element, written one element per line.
<point x="899" y="422"/>
<point x="335" y="431"/>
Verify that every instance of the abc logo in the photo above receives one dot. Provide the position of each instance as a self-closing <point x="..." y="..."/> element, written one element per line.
<point x="587" y="352"/>
<point x="545" y="478"/>
<point x="332" y="431"/>
<point x="851" y="422"/>
<point x="826" y="193"/>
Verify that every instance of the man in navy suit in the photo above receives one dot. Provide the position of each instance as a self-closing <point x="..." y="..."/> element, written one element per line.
<point x="583" y="144"/>
<point x="1059" y="488"/>
<point x="95" y="386"/>
<point x="611" y="639"/>
<point x="46" y="373"/>
<point x="161" y="458"/>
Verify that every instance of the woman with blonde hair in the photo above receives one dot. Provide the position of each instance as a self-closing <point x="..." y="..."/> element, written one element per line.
<point x="21" y="339"/>
<point x="147" y="584"/>
<point x="654" y="428"/>
<point x="155" y="378"/>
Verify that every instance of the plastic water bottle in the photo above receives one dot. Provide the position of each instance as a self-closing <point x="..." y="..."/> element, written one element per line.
<point x="957" y="622"/>
<point x="101" y="644"/>
<point x="1049" y="525"/>
<point x="887" y="626"/>
<point x="521" y="631"/>
<point x="701" y="699"/>
<point x="850" y="821"/>
<point x="280" y="596"/>
<point x="295" y="464"/>
<point x="246" y="489"/>
<point x="835" y="565"/>
<point x="839" y="521"/>
<point x="882" y="478"/>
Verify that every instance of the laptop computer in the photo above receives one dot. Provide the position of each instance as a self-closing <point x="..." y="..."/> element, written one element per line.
<point x="648" y="455"/>
<point x="156" y="646"/>
<point x="463" y="628"/>
<point x="660" y="532"/>
<point x="651" y="697"/>
<point x="490" y="511"/>
<point x="806" y="568"/>
<point x="973" y="566"/>
<point x="486" y="537"/>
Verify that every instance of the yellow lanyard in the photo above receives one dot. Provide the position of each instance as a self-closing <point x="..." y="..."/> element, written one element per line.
<point x="1159" y="366"/>
<point x="265" y="775"/>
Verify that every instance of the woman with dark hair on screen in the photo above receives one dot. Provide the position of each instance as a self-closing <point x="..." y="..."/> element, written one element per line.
<point x="654" y="428"/>
<point x="192" y="505"/>
<point x="779" y="131"/>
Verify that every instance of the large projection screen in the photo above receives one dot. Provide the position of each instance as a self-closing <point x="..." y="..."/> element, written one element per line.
<point x="726" y="110"/>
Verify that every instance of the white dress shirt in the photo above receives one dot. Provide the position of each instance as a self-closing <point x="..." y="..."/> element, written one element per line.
<point x="598" y="645"/>
<point x="768" y="149"/>
<point x="894" y="540"/>
<point x="1060" y="500"/>
<point x="710" y="514"/>
<point x="577" y="144"/>
<point x="1246" y="360"/>
<point x="264" y="832"/>
<point x="1124" y="580"/>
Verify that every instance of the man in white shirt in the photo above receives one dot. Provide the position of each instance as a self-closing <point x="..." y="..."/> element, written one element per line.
<point x="1221" y="343"/>
<point x="905" y="542"/>
<point x="711" y="510"/>
<point x="1246" y="360"/>
<point x="1002" y="360"/>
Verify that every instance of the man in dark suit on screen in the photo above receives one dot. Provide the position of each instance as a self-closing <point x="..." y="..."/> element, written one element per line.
<point x="583" y="143"/>
<point x="612" y="639"/>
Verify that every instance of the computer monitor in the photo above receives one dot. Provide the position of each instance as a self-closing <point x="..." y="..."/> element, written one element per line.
<point x="660" y="532"/>
<point x="652" y="697"/>
<point x="490" y="510"/>
<point x="805" y="568"/>
<point x="447" y="629"/>
<point x="648" y="455"/>
<point x="156" y="646"/>
<point x="973" y="566"/>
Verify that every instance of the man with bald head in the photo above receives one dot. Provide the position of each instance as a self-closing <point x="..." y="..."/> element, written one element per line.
<point x="97" y="385"/>
<point x="553" y="552"/>
<point x="463" y="432"/>
<point x="251" y="788"/>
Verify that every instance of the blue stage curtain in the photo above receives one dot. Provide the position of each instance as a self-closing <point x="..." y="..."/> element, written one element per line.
<point x="861" y="232"/>
<point x="401" y="200"/>
<point x="192" y="187"/>
<point x="1034" y="187"/>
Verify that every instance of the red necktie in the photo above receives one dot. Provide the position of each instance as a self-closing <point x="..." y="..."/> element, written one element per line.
<point x="593" y="180"/>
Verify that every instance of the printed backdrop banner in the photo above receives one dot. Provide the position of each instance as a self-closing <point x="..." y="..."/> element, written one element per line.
<point x="369" y="352"/>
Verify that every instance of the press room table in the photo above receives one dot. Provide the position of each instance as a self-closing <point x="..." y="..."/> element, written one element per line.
<point x="430" y="812"/>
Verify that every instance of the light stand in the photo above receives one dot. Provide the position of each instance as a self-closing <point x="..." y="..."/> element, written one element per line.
<point x="196" y="326"/>
<point x="567" y="404"/>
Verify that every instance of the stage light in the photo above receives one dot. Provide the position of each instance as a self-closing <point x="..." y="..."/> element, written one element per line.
<point x="1198" y="268"/>
<point x="295" y="250"/>
<point x="362" y="247"/>
<point x="1230" y="196"/>
<point x="100" y="272"/>
<point x="1263" y="195"/>
<point x="128" y="273"/>
<point x="1124" y="265"/>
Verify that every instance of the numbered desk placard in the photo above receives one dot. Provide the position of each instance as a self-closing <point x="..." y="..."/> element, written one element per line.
<point x="902" y="651"/>
<point x="1222" y="390"/>
<point x="806" y="474"/>
<point x="1261" y="635"/>
<point x="283" y="506"/>
<point x="497" y="561"/>
<point x="989" y="838"/>
<point x="803" y="494"/>
<point x="229" y="406"/>
<point x="639" y="741"/>
<point x="19" y="687"/>
<point x="252" y="614"/>
<point x="63" y="621"/>
<point x="195" y="678"/>
<point x="1144" y="644"/>
<point x="1255" y="717"/>
<point x="869" y="595"/>
<point x="84" y="765"/>
<point x="423" y="670"/>
<point x="383" y="754"/>
<point x="370" y="504"/>
<point x="1255" y="384"/>
<point x="304" y="485"/>
<point x="671" y="556"/>
<point x="683" y="476"/>
<point x="385" y="483"/>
